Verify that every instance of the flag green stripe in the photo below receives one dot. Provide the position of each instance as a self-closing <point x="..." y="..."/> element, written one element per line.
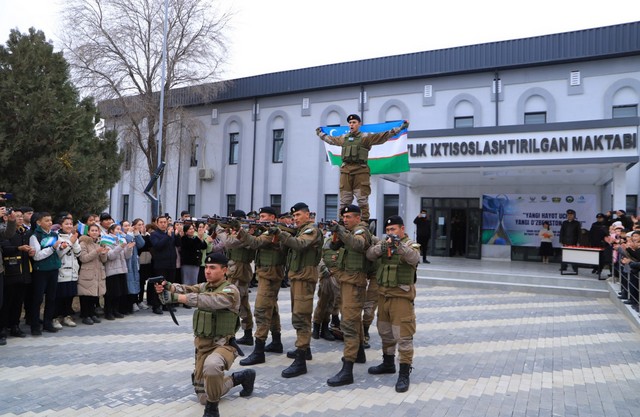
<point x="390" y="165"/>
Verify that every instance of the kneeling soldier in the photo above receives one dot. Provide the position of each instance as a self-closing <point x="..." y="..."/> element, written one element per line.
<point x="398" y="259"/>
<point x="215" y="322"/>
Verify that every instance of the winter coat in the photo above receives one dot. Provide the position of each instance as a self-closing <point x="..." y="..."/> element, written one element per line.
<point x="163" y="249"/>
<point x="191" y="250"/>
<point x="91" y="280"/>
<point x="117" y="260"/>
<point x="69" y="259"/>
<point x="7" y="230"/>
<point x="17" y="264"/>
<point x="133" y="264"/>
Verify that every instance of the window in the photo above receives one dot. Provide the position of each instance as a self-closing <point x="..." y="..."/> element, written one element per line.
<point x="234" y="148"/>
<point x="278" y="149"/>
<point x="632" y="204"/>
<point x="330" y="207"/>
<point x="128" y="156"/>
<point x="535" y="118"/>
<point x="391" y="205"/>
<point x="231" y="204"/>
<point x="125" y="207"/>
<point x="625" y="111"/>
<point x="194" y="155"/>
<point x="460" y="122"/>
<point x="276" y="202"/>
<point x="191" y="204"/>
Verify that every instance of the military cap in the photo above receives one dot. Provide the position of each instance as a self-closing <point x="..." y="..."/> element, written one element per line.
<point x="238" y="213"/>
<point x="216" y="258"/>
<point x="268" y="210"/>
<point x="353" y="117"/>
<point x="298" y="207"/>
<point x="394" y="220"/>
<point x="351" y="208"/>
<point x="571" y="211"/>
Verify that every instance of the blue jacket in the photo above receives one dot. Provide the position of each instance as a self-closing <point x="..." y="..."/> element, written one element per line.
<point x="133" y="264"/>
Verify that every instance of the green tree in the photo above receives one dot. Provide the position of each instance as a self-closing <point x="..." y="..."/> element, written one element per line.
<point x="50" y="155"/>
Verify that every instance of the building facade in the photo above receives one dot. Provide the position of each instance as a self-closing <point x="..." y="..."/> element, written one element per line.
<point x="549" y="118"/>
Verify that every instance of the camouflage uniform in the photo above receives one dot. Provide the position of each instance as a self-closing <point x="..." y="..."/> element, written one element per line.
<point x="355" y="175"/>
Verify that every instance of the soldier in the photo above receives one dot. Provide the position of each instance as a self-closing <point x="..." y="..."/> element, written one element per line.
<point x="215" y="322"/>
<point x="371" y="298"/>
<point x="240" y="273"/>
<point x="355" y="175"/>
<point x="353" y="239"/>
<point x="328" y="293"/>
<point x="399" y="257"/>
<point x="270" y="261"/>
<point x="305" y="251"/>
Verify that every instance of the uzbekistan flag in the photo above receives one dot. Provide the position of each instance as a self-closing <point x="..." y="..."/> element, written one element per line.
<point x="83" y="229"/>
<point x="48" y="241"/>
<point x="389" y="158"/>
<point x="121" y="239"/>
<point x="107" y="240"/>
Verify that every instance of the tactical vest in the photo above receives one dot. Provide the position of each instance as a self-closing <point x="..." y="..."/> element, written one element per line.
<point x="244" y="255"/>
<point x="296" y="260"/>
<point x="213" y="324"/>
<point x="328" y="255"/>
<point x="352" y="261"/>
<point x="353" y="151"/>
<point x="393" y="272"/>
<point x="270" y="257"/>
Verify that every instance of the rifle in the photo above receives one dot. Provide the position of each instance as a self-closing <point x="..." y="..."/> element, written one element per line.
<point x="160" y="280"/>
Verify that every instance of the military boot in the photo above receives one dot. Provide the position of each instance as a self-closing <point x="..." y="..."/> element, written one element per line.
<point x="361" y="357"/>
<point x="325" y="333"/>
<point x="245" y="378"/>
<point x="292" y="354"/>
<point x="247" y="339"/>
<point x="257" y="356"/>
<point x="315" y="333"/>
<point x="366" y="337"/>
<point x="298" y="367"/>
<point x="403" y="378"/>
<point x="387" y="366"/>
<point x="211" y="410"/>
<point x="344" y="377"/>
<point x="276" y="344"/>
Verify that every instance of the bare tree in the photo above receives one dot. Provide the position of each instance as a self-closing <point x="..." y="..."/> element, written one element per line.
<point x="115" y="51"/>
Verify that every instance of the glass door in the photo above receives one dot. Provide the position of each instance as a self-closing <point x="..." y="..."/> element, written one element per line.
<point x="474" y="233"/>
<point x="441" y="238"/>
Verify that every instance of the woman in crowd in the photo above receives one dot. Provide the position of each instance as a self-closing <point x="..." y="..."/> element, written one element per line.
<point x="144" y="260"/>
<point x="191" y="247"/>
<point x="91" y="280"/>
<point x="116" y="271"/>
<point x="68" y="252"/>
<point x="546" y="242"/>
<point x="133" y="267"/>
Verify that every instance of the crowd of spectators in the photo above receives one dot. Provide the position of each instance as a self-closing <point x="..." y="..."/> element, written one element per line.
<point x="59" y="271"/>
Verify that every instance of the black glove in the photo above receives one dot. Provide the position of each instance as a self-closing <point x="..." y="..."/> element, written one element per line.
<point x="274" y="231"/>
<point x="334" y="227"/>
<point x="235" y="224"/>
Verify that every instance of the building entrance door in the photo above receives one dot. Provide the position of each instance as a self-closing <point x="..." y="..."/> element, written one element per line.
<point x="456" y="225"/>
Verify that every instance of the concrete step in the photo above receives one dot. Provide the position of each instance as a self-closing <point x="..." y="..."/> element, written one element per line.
<point x="544" y="282"/>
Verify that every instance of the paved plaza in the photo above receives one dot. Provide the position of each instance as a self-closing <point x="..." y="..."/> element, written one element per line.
<point x="477" y="353"/>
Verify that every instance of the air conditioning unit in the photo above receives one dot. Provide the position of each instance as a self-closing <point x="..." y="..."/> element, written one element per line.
<point x="205" y="174"/>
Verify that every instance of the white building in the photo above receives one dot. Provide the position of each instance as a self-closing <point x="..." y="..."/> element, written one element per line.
<point x="552" y="117"/>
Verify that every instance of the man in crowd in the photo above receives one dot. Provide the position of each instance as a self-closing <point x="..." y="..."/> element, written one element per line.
<point x="423" y="233"/>
<point x="7" y="230"/>
<point x="163" y="250"/>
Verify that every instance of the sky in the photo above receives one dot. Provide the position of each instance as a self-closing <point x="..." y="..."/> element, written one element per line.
<point x="278" y="35"/>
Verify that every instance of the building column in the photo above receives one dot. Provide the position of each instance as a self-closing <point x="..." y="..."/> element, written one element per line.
<point x="619" y="188"/>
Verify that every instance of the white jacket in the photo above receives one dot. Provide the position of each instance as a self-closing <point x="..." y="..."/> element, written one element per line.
<point x="69" y="259"/>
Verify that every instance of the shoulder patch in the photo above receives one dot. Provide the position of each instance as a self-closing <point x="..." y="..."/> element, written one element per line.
<point x="358" y="232"/>
<point x="227" y="290"/>
<point x="308" y="231"/>
<point x="415" y="245"/>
